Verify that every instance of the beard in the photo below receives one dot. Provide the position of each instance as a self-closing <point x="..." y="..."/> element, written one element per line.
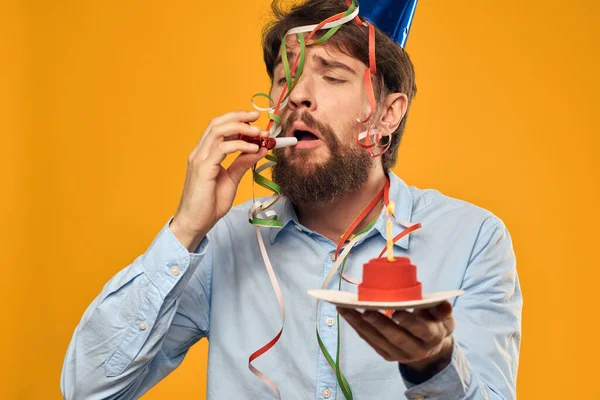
<point x="304" y="181"/>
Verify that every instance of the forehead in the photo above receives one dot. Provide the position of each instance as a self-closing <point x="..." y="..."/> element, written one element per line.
<point x="326" y="50"/>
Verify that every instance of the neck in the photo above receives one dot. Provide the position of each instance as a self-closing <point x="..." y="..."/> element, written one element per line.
<point x="333" y="219"/>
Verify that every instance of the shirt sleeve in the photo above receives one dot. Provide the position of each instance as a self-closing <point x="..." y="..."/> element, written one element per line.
<point x="487" y="337"/>
<point x="139" y="328"/>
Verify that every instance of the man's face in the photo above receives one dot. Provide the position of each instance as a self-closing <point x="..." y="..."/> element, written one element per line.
<point x="332" y="91"/>
<point x="321" y="112"/>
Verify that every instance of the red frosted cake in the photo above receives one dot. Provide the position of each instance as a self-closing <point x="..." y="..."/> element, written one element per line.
<point x="385" y="280"/>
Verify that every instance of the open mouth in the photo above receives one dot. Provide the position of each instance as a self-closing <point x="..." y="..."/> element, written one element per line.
<point x="304" y="136"/>
<point x="308" y="138"/>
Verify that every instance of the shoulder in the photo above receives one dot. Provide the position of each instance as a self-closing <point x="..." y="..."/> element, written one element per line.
<point x="433" y="205"/>
<point x="464" y="228"/>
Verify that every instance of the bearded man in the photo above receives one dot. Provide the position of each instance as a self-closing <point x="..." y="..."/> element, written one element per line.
<point x="204" y="275"/>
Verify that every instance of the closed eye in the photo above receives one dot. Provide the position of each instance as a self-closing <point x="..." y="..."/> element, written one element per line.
<point x="329" y="79"/>
<point x="283" y="80"/>
<point x="333" y="80"/>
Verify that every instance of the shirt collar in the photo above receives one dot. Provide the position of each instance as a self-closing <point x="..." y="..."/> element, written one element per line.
<point x="286" y="213"/>
<point x="402" y="197"/>
<point x="399" y="194"/>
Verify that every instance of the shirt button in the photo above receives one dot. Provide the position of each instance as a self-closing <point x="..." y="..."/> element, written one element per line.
<point x="419" y="398"/>
<point x="174" y="270"/>
<point x="330" y="321"/>
<point x="332" y="256"/>
<point x="326" y="393"/>
<point x="142" y="325"/>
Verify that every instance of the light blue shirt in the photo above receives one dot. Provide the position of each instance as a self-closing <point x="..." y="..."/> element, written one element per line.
<point x="147" y="316"/>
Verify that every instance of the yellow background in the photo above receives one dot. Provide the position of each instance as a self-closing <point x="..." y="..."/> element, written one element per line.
<point x="101" y="103"/>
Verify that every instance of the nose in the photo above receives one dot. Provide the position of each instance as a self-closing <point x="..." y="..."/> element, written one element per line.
<point x="302" y="95"/>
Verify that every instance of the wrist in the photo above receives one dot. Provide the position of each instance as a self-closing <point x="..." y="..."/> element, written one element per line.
<point x="420" y="371"/>
<point x="190" y="239"/>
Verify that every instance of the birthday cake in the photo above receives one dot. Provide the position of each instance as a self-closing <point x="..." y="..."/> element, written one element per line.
<point x="385" y="280"/>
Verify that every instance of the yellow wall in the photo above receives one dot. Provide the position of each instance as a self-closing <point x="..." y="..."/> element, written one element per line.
<point x="101" y="102"/>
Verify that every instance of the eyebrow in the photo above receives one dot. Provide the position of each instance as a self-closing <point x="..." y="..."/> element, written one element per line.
<point x="290" y="55"/>
<point x="332" y="64"/>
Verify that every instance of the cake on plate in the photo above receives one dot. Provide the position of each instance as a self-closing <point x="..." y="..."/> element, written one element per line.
<point x="385" y="280"/>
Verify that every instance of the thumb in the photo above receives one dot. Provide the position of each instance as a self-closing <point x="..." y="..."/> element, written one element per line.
<point x="243" y="162"/>
<point x="441" y="311"/>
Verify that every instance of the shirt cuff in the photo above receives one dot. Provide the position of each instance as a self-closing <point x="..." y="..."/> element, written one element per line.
<point x="167" y="261"/>
<point x="449" y="384"/>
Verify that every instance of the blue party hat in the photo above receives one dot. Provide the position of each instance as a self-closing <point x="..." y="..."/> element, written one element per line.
<point x="393" y="17"/>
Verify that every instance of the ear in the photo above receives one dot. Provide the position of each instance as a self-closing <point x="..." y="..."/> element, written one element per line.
<point x="394" y="109"/>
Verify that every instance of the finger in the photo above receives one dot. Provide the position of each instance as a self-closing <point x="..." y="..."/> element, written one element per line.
<point x="441" y="311"/>
<point x="220" y="151"/>
<point x="437" y="312"/>
<point x="237" y="116"/>
<point x="243" y="162"/>
<point x="262" y="133"/>
<point x="226" y="131"/>
<point x="395" y="333"/>
<point x="428" y="331"/>
<point x="351" y="319"/>
<point x="372" y="336"/>
<point x="231" y="130"/>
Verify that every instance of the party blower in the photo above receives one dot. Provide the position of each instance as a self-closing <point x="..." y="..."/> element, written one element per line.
<point x="270" y="142"/>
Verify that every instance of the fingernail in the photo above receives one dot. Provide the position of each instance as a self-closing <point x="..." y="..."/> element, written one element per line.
<point x="254" y="128"/>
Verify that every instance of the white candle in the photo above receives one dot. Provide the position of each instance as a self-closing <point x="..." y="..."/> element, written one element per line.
<point x="390" y="234"/>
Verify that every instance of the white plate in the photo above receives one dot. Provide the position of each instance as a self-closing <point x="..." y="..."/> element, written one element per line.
<point x="350" y="300"/>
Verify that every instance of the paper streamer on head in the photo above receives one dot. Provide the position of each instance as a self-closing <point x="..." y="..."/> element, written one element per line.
<point x="394" y="17"/>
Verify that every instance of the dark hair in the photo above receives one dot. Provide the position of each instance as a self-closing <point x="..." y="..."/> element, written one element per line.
<point x="395" y="71"/>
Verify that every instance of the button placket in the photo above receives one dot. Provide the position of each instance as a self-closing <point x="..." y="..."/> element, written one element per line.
<point x="326" y="379"/>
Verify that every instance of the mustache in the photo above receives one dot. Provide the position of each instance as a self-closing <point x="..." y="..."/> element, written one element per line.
<point x="310" y="121"/>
